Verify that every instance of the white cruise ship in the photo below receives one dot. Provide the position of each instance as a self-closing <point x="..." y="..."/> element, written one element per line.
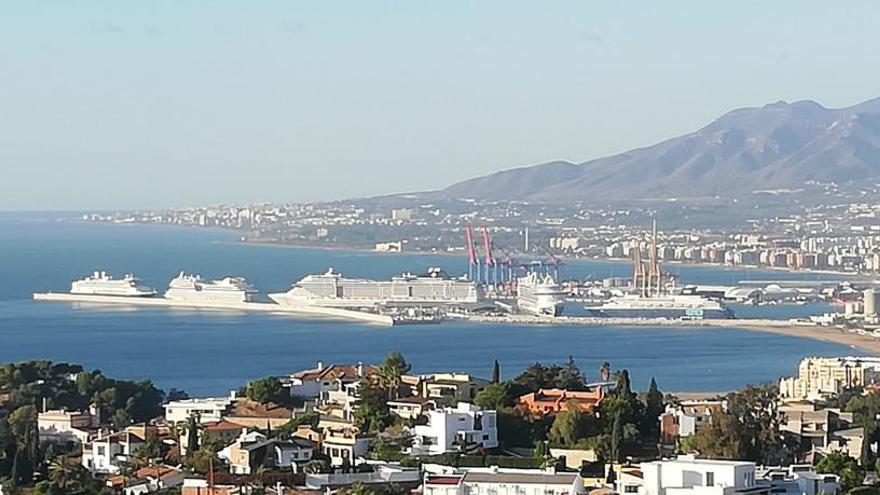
<point x="191" y="287"/>
<point x="331" y="289"/>
<point x="539" y="295"/>
<point x="671" y="306"/>
<point x="102" y="284"/>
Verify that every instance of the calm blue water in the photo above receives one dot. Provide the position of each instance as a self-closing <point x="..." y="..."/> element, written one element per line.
<point x="210" y="353"/>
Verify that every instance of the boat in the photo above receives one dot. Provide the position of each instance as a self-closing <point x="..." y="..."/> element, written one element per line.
<point x="332" y="289"/>
<point x="191" y="287"/>
<point x="670" y="306"/>
<point x="100" y="283"/>
<point x="539" y="295"/>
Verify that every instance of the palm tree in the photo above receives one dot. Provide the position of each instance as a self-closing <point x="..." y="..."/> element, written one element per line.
<point x="390" y="372"/>
<point x="63" y="472"/>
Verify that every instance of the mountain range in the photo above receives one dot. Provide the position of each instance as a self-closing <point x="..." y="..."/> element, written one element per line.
<point x="778" y="146"/>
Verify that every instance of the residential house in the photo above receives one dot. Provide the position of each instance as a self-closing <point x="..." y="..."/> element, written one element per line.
<point x="798" y="479"/>
<point x="314" y="384"/>
<point x="445" y="389"/>
<point x="687" y="475"/>
<point x="687" y="417"/>
<point x="67" y="426"/>
<point x="253" y="449"/>
<point x="253" y="414"/>
<point x="498" y="481"/>
<point x="207" y="410"/>
<point x="465" y="427"/>
<point x="554" y="400"/>
<point x="343" y="443"/>
<point x="410" y="407"/>
<point x="148" y="480"/>
<point x="106" y="453"/>
<point x="823" y="430"/>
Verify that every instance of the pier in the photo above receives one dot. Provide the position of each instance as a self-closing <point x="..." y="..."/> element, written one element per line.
<point x="318" y="311"/>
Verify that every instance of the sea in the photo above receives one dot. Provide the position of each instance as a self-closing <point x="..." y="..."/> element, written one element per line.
<point x="210" y="353"/>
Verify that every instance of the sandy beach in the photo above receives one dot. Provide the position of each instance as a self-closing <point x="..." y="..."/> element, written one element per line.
<point x="867" y="342"/>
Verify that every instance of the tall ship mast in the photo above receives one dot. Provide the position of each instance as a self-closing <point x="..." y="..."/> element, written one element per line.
<point x="650" y="299"/>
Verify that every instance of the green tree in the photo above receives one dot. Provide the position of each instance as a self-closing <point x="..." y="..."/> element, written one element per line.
<point x="496" y="372"/>
<point x="66" y="474"/>
<point x="617" y="440"/>
<point x="848" y="469"/>
<point x="494" y="396"/>
<point x="866" y="410"/>
<point x="317" y="466"/>
<point x="192" y="434"/>
<point x="570" y="377"/>
<point x="568" y="427"/>
<point x="393" y="367"/>
<point x="265" y="390"/>
<point x="654" y="407"/>
<point x="372" y="415"/>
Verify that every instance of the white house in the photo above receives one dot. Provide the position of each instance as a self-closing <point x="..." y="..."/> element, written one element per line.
<point x="66" y="426"/>
<point x="253" y="449"/>
<point x="105" y="454"/>
<point x="206" y="410"/>
<point x="799" y="479"/>
<point x="497" y="481"/>
<point x="687" y="475"/>
<point x="450" y="429"/>
<point x="314" y="384"/>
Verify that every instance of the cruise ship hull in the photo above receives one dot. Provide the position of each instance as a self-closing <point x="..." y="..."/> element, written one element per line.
<point x="669" y="313"/>
<point x="547" y="310"/>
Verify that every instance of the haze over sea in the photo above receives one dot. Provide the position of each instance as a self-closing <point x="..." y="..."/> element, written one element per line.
<point x="209" y="353"/>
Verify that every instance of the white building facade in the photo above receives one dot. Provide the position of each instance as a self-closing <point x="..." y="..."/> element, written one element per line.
<point x="453" y="429"/>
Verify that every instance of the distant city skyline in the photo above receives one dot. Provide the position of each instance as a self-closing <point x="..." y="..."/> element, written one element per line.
<point x="123" y="105"/>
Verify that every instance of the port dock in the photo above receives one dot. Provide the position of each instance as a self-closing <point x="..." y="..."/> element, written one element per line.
<point x="315" y="311"/>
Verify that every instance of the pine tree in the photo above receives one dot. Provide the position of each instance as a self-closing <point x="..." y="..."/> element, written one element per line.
<point x="192" y="436"/>
<point x="653" y="409"/>
<point x="496" y="372"/>
<point x="616" y="439"/>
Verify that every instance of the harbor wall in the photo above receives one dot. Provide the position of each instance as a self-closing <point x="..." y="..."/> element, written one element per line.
<point x="336" y="313"/>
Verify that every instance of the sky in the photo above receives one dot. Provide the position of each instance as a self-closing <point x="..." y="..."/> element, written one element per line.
<point x="118" y="104"/>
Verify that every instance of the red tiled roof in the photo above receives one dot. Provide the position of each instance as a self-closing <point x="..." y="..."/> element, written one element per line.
<point x="334" y="371"/>
<point x="222" y="425"/>
<point x="247" y="408"/>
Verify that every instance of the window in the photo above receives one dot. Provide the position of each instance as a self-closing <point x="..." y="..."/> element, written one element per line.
<point x="101" y="450"/>
<point x="710" y="478"/>
<point x="631" y="489"/>
<point x="485" y="437"/>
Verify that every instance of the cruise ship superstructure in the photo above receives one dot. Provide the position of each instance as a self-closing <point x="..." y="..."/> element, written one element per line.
<point x="332" y="289"/>
<point x="100" y="283"/>
<point x="539" y="295"/>
<point x="652" y="300"/>
<point x="191" y="287"/>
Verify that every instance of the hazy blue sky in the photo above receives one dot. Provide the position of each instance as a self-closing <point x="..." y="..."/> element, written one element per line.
<point x="169" y="103"/>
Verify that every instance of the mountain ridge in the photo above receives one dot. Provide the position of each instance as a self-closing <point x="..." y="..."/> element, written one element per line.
<point x="776" y="146"/>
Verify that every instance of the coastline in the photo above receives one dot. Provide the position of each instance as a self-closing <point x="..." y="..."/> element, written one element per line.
<point x="616" y="261"/>
<point x="866" y="342"/>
